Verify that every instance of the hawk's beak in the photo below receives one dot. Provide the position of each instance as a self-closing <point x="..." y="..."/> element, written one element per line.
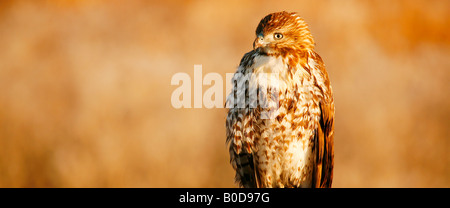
<point x="259" y="42"/>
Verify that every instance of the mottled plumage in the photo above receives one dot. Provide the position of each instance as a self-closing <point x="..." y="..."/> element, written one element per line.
<point x="281" y="110"/>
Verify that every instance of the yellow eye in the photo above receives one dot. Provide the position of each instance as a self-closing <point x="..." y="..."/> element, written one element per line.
<point x="278" y="36"/>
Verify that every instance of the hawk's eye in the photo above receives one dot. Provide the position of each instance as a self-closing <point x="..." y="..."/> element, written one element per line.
<point x="278" y="36"/>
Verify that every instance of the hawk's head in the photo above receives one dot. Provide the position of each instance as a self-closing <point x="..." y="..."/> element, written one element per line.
<point x="281" y="32"/>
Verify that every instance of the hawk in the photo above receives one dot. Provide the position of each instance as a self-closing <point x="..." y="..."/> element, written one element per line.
<point x="280" y="120"/>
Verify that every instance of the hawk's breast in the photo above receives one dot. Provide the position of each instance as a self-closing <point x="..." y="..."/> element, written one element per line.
<point x="284" y="150"/>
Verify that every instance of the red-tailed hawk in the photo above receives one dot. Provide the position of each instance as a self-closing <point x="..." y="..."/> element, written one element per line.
<point x="281" y="110"/>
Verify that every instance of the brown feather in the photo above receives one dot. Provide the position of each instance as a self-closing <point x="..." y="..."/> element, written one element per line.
<point x="325" y="154"/>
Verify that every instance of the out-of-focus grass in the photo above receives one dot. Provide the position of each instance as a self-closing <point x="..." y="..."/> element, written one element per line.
<point x="85" y="90"/>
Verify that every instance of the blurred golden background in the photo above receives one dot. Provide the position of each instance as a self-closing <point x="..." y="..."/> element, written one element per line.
<point x="85" y="90"/>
